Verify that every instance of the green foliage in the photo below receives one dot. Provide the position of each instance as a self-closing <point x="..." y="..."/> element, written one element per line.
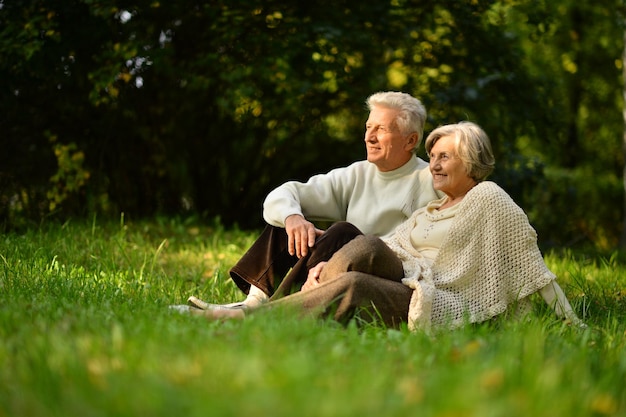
<point x="181" y="107"/>
<point x="571" y="198"/>
<point x="85" y="330"/>
<point x="70" y="177"/>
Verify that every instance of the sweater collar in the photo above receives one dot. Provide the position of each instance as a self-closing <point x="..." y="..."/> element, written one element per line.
<point x="409" y="167"/>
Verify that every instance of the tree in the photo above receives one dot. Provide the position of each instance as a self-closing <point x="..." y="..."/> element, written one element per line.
<point x="573" y="53"/>
<point x="179" y="107"/>
<point x="623" y="235"/>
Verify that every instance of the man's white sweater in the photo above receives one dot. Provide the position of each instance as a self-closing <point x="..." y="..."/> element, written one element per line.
<point x="374" y="201"/>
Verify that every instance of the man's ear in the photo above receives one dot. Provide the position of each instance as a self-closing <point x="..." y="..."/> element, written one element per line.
<point x="412" y="141"/>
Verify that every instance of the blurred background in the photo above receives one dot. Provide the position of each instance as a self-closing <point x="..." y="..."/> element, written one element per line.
<point x="190" y="108"/>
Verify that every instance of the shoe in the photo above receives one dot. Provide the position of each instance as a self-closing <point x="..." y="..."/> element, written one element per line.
<point x="195" y="302"/>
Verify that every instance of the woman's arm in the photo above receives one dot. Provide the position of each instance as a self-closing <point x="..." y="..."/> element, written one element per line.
<point x="556" y="299"/>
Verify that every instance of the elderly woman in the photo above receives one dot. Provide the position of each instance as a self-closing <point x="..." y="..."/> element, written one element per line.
<point x="465" y="258"/>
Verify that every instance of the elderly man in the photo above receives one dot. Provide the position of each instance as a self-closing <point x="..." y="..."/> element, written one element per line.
<point x="370" y="197"/>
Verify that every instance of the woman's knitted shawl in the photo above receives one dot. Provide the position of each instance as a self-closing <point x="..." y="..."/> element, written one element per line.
<point x="488" y="261"/>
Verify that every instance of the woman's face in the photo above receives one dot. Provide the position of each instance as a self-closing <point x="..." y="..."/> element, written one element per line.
<point x="449" y="174"/>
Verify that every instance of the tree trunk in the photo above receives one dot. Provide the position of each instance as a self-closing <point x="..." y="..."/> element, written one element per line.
<point x="622" y="242"/>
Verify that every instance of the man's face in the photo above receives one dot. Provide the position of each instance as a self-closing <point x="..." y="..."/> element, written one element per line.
<point x="387" y="147"/>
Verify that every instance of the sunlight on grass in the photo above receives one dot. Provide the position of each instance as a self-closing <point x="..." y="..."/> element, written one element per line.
<point x="85" y="330"/>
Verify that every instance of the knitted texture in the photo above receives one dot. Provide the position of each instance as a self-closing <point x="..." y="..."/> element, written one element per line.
<point x="488" y="261"/>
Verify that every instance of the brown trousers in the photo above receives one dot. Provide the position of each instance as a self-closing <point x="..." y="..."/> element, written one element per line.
<point x="269" y="266"/>
<point x="362" y="278"/>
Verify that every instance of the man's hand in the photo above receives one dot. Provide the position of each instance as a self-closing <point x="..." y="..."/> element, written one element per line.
<point x="312" y="280"/>
<point x="301" y="235"/>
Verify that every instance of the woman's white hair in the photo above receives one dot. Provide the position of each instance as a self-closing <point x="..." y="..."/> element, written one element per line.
<point x="472" y="146"/>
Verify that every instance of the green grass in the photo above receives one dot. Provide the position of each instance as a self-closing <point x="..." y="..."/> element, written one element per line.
<point x="85" y="331"/>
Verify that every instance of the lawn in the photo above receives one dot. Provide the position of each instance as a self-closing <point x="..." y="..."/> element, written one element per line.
<point x="85" y="330"/>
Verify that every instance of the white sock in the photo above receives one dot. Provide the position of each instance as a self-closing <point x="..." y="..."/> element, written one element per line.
<point x="256" y="297"/>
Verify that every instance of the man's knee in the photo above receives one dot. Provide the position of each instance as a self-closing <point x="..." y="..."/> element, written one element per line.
<point x="342" y="229"/>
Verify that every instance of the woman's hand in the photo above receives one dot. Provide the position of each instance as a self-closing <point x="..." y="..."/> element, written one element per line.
<point x="313" y="279"/>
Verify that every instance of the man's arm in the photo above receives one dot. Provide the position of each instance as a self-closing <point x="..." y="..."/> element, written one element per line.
<point x="322" y="197"/>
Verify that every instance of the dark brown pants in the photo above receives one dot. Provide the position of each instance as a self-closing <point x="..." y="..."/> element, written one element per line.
<point x="269" y="266"/>
<point x="363" y="277"/>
